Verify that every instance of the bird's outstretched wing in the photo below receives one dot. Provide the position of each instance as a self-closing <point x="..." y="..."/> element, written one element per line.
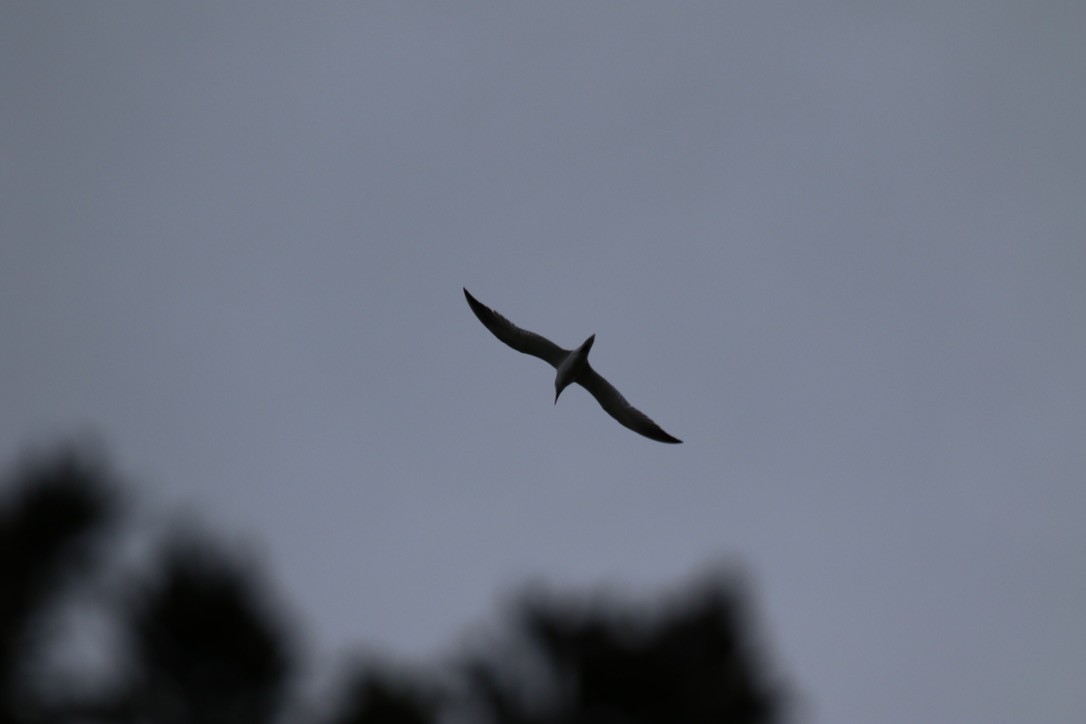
<point x="519" y="339"/>
<point x="616" y="406"/>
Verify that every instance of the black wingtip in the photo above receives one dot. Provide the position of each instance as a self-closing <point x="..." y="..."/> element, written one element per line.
<point x="657" y="433"/>
<point x="472" y="301"/>
<point x="481" y="310"/>
<point x="654" y="432"/>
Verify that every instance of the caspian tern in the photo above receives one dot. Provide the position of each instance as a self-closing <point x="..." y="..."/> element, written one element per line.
<point x="572" y="366"/>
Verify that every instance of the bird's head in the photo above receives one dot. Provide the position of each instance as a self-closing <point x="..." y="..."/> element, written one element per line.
<point x="559" y="385"/>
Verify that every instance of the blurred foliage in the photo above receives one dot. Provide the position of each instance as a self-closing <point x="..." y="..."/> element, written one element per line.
<point x="202" y="642"/>
<point x="376" y="693"/>
<point x="54" y="515"/>
<point x="577" y="660"/>
<point x="204" y="647"/>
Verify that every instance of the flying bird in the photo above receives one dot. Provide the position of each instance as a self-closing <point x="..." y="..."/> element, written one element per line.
<point x="572" y="366"/>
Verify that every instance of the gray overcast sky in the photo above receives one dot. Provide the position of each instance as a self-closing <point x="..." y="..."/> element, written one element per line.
<point x="838" y="248"/>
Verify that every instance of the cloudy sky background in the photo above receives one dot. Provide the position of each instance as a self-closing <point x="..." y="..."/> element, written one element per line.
<point x="838" y="248"/>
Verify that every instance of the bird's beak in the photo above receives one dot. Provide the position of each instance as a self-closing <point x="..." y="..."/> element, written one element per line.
<point x="556" y="393"/>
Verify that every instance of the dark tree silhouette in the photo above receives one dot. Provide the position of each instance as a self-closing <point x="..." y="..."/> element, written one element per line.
<point x="55" y="515"/>
<point x="205" y="647"/>
<point x="602" y="662"/>
<point x="376" y="694"/>
<point x="203" y="643"/>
